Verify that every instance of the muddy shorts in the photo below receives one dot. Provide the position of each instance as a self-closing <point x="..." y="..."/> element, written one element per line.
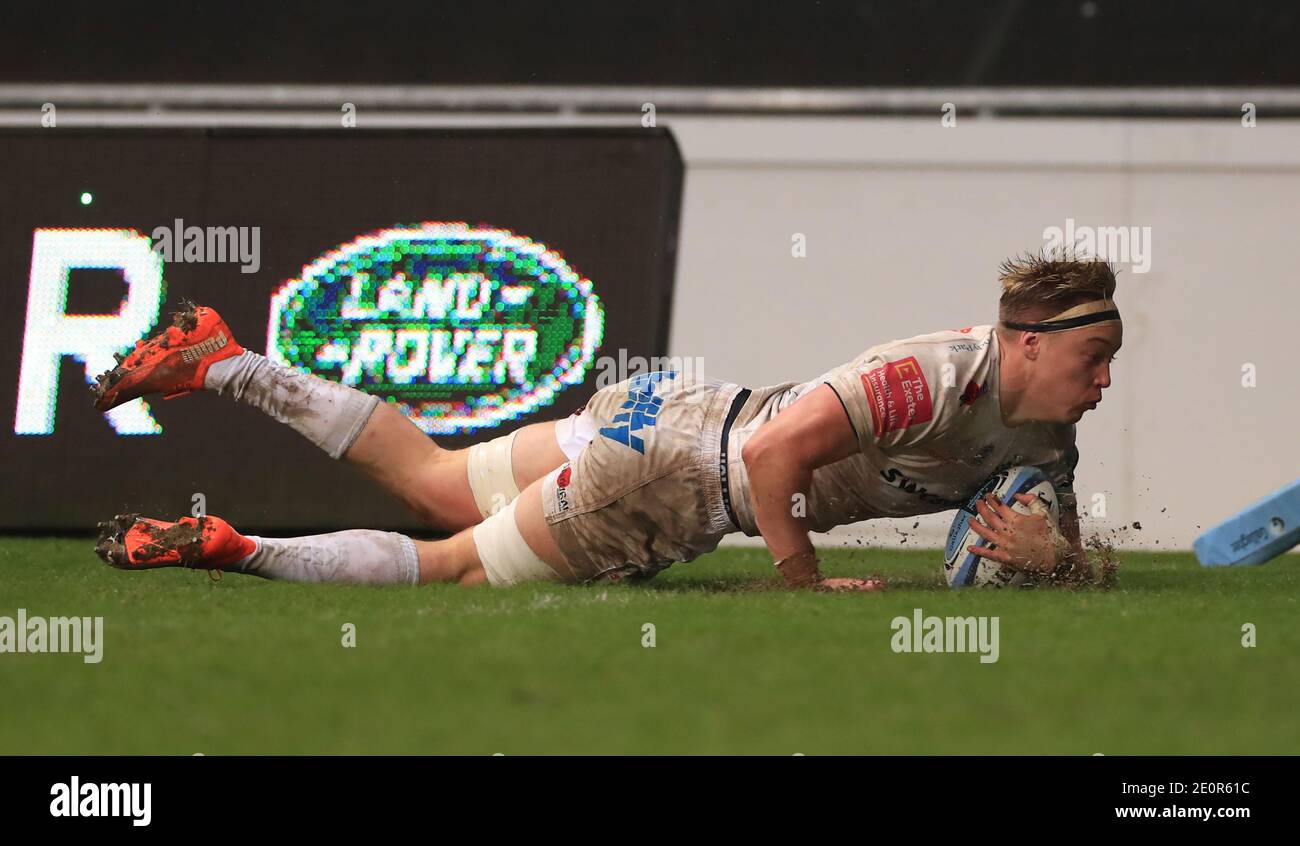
<point x="643" y="487"/>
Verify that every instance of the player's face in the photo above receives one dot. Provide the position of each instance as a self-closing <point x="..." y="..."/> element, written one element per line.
<point x="1073" y="369"/>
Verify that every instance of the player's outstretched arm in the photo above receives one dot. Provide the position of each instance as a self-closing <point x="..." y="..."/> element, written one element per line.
<point x="780" y="459"/>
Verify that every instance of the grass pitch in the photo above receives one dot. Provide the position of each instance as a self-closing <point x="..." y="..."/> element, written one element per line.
<point x="245" y="666"/>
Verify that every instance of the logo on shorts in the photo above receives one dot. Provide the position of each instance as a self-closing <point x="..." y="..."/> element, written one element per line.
<point x="899" y="395"/>
<point x="562" y="495"/>
<point x="641" y="410"/>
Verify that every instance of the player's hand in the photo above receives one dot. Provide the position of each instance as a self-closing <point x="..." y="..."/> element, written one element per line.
<point x="843" y="585"/>
<point x="1024" y="541"/>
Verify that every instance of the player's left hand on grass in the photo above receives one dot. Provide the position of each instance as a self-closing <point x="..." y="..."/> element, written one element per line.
<point x="801" y="572"/>
<point x="1021" y="541"/>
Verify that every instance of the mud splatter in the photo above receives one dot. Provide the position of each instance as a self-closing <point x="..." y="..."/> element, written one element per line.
<point x="181" y="540"/>
<point x="187" y="318"/>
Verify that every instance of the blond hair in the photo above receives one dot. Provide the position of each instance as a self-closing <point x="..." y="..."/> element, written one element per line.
<point x="1039" y="285"/>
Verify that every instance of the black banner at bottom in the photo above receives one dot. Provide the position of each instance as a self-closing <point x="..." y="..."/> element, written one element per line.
<point x="337" y="794"/>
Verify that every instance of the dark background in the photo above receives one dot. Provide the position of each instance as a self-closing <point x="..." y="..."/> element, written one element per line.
<point x="608" y="200"/>
<point x="592" y="42"/>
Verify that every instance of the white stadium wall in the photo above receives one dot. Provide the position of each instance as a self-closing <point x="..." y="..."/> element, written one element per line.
<point x="905" y="223"/>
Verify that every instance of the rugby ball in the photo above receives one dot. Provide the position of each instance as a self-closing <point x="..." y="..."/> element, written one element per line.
<point x="966" y="569"/>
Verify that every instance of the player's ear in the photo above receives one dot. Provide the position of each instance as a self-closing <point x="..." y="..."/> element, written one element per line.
<point x="1031" y="344"/>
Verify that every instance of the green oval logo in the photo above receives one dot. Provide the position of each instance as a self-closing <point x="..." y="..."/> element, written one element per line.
<point x="462" y="328"/>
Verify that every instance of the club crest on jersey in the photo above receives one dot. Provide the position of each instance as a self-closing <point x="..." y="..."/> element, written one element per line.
<point x="641" y="411"/>
<point x="899" y="395"/>
<point x="973" y="392"/>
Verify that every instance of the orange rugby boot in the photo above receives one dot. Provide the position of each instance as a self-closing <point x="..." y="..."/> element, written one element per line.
<point x="172" y="363"/>
<point x="132" y="542"/>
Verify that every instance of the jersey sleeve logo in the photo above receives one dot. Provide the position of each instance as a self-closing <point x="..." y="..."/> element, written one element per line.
<point x="898" y="395"/>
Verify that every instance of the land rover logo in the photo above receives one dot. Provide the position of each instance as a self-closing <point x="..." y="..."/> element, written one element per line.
<point x="462" y="328"/>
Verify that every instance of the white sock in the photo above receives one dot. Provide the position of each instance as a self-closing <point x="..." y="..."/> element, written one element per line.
<point x="353" y="557"/>
<point x="326" y="413"/>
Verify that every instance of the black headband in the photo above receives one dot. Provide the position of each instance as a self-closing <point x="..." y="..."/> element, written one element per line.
<point x="1068" y="323"/>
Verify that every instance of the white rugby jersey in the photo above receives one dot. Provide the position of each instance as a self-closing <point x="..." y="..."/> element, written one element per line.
<point x="928" y="419"/>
